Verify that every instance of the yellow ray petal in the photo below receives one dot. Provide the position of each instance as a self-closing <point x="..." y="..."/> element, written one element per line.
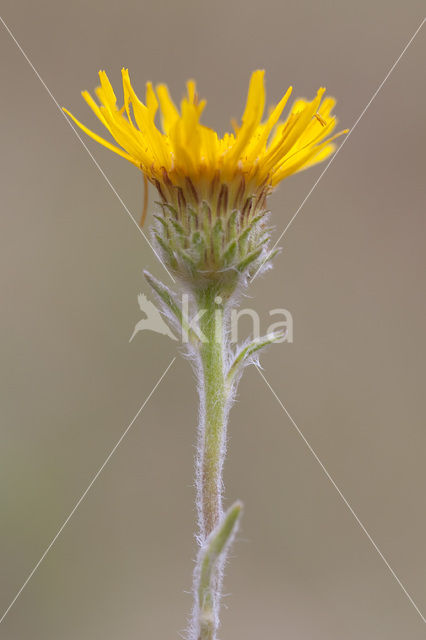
<point x="169" y="113"/>
<point x="270" y="123"/>
<point x="296" y="129"/>
<point x="145" y="123"/>
<point x="306" y="157"/>
<point x="101" y="140"/>
<point x="192" y="91"/>
<point x="186" y="152"/>
<point x="252" y="114"/>
<point x="105" y="91"/>
<point x="151" y="100"/>
<point x="95" y="108"/>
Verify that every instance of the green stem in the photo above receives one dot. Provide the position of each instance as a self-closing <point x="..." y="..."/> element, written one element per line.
<point x="212" y="436"/>
<point x="210" y="456"/>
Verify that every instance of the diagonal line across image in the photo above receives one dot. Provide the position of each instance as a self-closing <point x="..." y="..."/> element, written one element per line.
<point x="340" y="494"/>
<point x="172" y="361"/>
<point x="86" y="491"/>
<point x="96" y="163"/>
<point x="352" y="129"/>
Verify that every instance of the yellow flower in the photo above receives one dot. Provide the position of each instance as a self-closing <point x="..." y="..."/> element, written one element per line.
<point x="190" y="163"/>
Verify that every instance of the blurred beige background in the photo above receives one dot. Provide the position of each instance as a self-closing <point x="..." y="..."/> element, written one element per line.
<point x="351" y="273"/>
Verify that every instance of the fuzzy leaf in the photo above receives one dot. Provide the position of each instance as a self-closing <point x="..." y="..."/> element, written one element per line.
<point x="271" y="255"/>
<point x="206" y="217"/>
<point x="161" y="220"/>
<point x="188" y="261"/>
<point x="167" y="249"/>
<point x="216" y="547"/>
<point x="167" y="297"/>
<point x="230" y="251"/>
<point x="177" y="227"/>
<point x="217" y="238"/>
<point x="233" y="224"/>
<point x="193" y="219"/>
<point x="198" y="247"/>
<point x="243" y="356"/>
<point x="244" y="236"/>
<point x="165" y="205"/>
<point x="249" y="259"/>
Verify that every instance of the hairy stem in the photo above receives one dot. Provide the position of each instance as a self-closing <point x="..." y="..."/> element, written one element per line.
<point x="210" y="451"/>
<point x="213" y="418"/>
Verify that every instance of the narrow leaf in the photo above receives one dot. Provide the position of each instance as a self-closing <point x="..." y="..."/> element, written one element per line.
<point x="248" y="350"/>
<point x="167" y="297"/>
<point x="167" y="249"/>
<point x="216" y="545"/>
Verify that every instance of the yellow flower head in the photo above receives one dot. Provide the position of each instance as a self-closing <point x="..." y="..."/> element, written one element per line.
<point x="189" y="163"/>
